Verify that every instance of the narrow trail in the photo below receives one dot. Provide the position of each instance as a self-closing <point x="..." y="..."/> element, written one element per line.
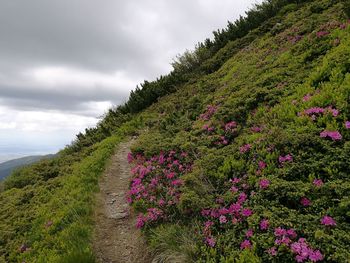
<point x="116" y="240"/>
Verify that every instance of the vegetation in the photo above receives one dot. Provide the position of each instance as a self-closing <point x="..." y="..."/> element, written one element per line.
<point x="242" y="154"/>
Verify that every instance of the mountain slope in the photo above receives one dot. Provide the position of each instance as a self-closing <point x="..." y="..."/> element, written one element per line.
<point x="7" y="167"/>
<point x="241" y="157"/>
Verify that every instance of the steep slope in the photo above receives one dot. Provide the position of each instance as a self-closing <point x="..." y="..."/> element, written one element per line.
<point x="242" y="155"/>
<point x="7" y="167"/>
<point x="268" y="138"/>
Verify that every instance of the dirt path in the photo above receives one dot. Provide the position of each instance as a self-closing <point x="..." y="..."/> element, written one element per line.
<point x="116" y="238"/>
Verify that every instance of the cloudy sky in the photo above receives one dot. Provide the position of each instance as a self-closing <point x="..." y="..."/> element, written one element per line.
<point x="64" y="62"/>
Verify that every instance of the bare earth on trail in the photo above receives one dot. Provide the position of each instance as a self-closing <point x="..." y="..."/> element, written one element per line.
<point x="116" y="239"/>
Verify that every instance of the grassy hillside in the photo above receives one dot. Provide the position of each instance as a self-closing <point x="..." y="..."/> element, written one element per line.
<point x="245" y="159"/>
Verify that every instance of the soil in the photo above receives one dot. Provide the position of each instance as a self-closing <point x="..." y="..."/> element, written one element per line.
<point x="116" y="240"/>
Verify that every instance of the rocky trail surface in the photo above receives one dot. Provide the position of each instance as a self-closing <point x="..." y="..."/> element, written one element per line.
<point x="116" y="239"/>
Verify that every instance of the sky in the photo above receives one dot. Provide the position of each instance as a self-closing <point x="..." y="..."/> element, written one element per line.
<point x="63" y="63"/>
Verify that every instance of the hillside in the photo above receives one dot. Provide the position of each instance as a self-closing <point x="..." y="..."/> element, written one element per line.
<point x="7" y="167"/>
<point x="242" y="152"/>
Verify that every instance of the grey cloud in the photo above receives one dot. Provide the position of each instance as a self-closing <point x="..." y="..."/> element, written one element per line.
<point x="136" y="36"/>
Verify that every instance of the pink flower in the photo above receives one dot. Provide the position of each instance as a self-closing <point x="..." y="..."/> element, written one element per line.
<point x="322" y="34"/>
<point x="264" y="183"/>
<point x="230" y="126"/>
<point x="287" y="158"/>
<point x="328" y="221"/>
<point x="210" y="241"/>
<point x="242" y="198"/>
<point x="334" y="135"/>
<point x="223" y="219"/>
<point x="347" y="124"/>
<point x="291" y="233"/>
<point x="161" y="202"/>
<point x="307" y="97"/>
<point x="245" y="148"/>
<point x="246" y="212"/>
<point x="318" y="182"/>
<point x="234" y="189"/>
<point x="130" y="157"/>
<point x="140" y="221"/>
<point x="264" y="224"/>
<point x="249" y="233"/>
<point x="256" y="129"/>
<point x="246" y="244"/>
<point x="262" y="165"/>
<point x="315" y="256"/>
<point x="272" y="251"/>
<point x="305" y="201"/>
<point x="208" y="224"/>
<point x="280" y="232"/>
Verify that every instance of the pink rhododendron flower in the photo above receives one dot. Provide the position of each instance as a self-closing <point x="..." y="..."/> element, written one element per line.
<point x="242" y="198"/>
<point x="315" y="256"/>
<point x="223" y="219"/>
<point x="262" y="165"/>
<point x="328" y="221"/>
<point x="304" y="252"/>
<point x="210" y="241"/>
<point x="249" y="233"/>
<point x="256" y="129"/>
<point x="234" y="208"/>
<point x="322" y="34"/>
<point x="140" y="221"/>
<point x="284" y="159"/>
<point x="264" y="183"/>
<point x="334" y="135"/>
<point x="272" y="251"/>
<point x="307" y="97"/>
<point x="305" y="201"/>
<point x="264" y="224"/>
<point x="230" y="126"/>
<point x="245" y="148"/>
<point x="318" y="182"/>
<point x="130" y="158"/>
<point x="280" y="231"/>
<point x="246" y="244"/>
<point x="246" y="212"/>
<point x="347" y="124"/>
<point x="234" y="189"/>
<point x="211" y="109"/>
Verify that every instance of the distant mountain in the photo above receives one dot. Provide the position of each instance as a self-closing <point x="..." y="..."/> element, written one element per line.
<point x="7" y="167"/>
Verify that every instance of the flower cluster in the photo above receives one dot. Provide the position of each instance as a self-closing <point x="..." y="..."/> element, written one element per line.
<point x="304" y="252"/>
<point x="320" y="34"/>
<point x="245" y="148"/>
<point x="328" y="221"/>
<point x="285" y="159"/>
<point x="211" y="109"/>
<point x="314" y="112"/>
<point x="230" y="126"/>
<point x="334" y="135"/>
<point x="157" y="182"/>
<point x="347" y="124"/>
<point x="232" y="214"/>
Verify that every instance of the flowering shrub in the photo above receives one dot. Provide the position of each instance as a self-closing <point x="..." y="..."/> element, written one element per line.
<point x="334" y="135"/>
<point x="156" y="185"/>
<point x="267" y="181"/>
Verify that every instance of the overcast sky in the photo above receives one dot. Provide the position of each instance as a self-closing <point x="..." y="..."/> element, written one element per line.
<point x="64" y="62"/>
